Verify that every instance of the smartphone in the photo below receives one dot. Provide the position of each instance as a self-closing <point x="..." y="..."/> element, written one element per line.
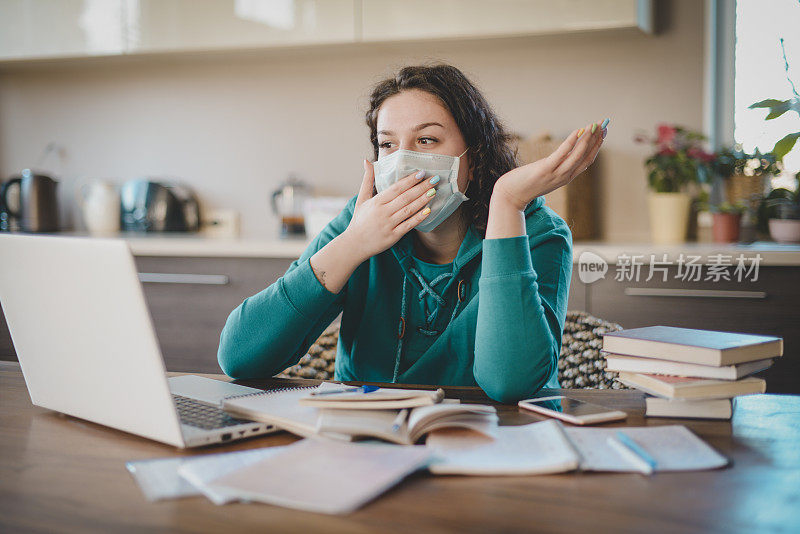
<point x="572" y="410"/>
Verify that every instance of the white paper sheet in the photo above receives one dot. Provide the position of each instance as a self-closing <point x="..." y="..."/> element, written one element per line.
<point x="324" y="475"/>
<point x="201" y="471"/>
<point x="158" y="479"/>
<point x="166" y="478"/>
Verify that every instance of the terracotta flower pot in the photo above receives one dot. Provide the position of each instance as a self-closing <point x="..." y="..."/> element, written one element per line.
<point x="669" y="217"/>
<point x="725" y="227"/>
<point x="785" y="230"/>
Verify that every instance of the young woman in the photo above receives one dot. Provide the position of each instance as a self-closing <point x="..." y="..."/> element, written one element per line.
<point x="456" y="274"/>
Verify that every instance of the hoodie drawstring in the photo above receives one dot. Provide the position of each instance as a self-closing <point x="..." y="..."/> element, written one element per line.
<point x="430" y="317"/>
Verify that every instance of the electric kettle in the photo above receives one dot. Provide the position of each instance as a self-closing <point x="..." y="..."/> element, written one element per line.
<point x="149" y="206"/>
<point x="35" y="208"/>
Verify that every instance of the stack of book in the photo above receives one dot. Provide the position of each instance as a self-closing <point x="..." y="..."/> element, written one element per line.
<point x="689" y="372"/>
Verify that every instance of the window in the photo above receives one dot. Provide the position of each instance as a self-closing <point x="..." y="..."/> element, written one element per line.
<point x="761" y="74"/>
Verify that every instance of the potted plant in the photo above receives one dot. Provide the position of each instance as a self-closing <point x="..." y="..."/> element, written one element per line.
<point x="726" y="220"/>
<point x="779" y="213"/>
<point x="676" y="169"/>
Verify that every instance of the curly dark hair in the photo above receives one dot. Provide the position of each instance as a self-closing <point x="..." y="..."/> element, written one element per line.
<point x="490" y="151"/>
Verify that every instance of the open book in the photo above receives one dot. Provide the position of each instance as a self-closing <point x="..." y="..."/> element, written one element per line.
<point x="548" y="447"/>
<point x="296" y="409"/>
<point x="534" y="449"/>
<point x="385" y="424"/>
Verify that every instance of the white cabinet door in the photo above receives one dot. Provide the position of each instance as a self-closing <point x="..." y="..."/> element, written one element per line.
<point x="182" y="25"/>
<point x="394" y="20"/>
<point x="60" y="28"/>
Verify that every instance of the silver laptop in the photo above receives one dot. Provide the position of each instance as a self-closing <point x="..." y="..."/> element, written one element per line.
<point x="87" y="348"/>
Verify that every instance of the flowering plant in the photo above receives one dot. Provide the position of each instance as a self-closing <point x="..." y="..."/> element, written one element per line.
<point x="731" y="161"/>
<point x="679" y="158"/>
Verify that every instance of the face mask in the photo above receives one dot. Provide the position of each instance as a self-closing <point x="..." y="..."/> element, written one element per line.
<point x="400" y="163"/>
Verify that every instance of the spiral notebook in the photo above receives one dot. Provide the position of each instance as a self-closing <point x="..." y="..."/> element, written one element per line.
<point x="282" y="408"/>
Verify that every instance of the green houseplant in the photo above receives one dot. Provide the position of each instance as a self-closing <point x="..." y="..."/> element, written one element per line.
<point x="779" y="213"/>
<point x="676" y="169"/>
<point x="780" y="210"/>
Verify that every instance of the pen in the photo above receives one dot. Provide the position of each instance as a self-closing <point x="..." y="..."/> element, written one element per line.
<point x="361" y="389"/>
<point x="633" y="452"/>
<point x="398" y="421"/>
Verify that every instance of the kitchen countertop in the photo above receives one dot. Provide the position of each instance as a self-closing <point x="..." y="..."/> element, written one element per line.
<point x="187" y="245"/>
<point x="200" y="246"/>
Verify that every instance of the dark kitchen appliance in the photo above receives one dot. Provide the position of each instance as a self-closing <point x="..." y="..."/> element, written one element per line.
<point x="149" y="206"/>
<point x="35" y="208"/>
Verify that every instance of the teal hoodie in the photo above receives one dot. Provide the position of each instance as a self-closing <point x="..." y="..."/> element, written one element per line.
<point x="492" y="318"/>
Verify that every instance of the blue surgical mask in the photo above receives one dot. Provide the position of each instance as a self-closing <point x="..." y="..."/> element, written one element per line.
<point x="400" y="163"/>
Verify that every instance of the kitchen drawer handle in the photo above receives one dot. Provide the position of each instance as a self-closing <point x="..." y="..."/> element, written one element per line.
<point x="706" y="293"/>
<point x="178" y="278"/>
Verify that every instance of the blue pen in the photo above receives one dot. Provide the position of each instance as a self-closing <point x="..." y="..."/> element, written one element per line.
<point x="355" y="389"/>
<point x="637" y="449"/>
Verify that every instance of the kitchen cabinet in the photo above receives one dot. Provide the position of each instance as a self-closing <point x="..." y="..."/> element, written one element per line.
<point x="390" y="20"/>
<point x="183" y="25"/>
<point x="34" y="29"/>
<point x="190" y="299"/>
<point x="48" y="29"/>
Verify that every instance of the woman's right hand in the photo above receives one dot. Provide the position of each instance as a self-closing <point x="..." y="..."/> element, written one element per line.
<point x="379" y="221"/>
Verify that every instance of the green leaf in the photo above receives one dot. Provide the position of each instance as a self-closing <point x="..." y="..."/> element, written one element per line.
<point x="768" y="103"/>
<point x="777" y="110"/>
<point x="786" y="144"/>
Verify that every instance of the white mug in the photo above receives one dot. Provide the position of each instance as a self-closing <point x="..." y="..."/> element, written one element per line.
<point x="99" y="201"/>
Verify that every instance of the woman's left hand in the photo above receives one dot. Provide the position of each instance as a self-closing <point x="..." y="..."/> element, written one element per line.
<point x="521" y="185"/>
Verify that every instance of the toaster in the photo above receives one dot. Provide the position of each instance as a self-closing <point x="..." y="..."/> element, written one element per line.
<point x="150" y="206"/>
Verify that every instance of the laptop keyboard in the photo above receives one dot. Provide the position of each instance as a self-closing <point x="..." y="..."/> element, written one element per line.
<point x="203" y="415"/>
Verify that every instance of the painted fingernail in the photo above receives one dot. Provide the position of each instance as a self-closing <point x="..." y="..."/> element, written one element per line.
<point x="594" y="127"/>
<point x="426" y="211"/>
<point x="435" y="179"/>
<point x="605" y="123"/>
<point x="580" y="132"/>
<point x="431" y="192"/>
<point x="420" y="175"/>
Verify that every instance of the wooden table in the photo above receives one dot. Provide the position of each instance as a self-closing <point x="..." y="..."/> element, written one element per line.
<point x="59" y="473"/>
